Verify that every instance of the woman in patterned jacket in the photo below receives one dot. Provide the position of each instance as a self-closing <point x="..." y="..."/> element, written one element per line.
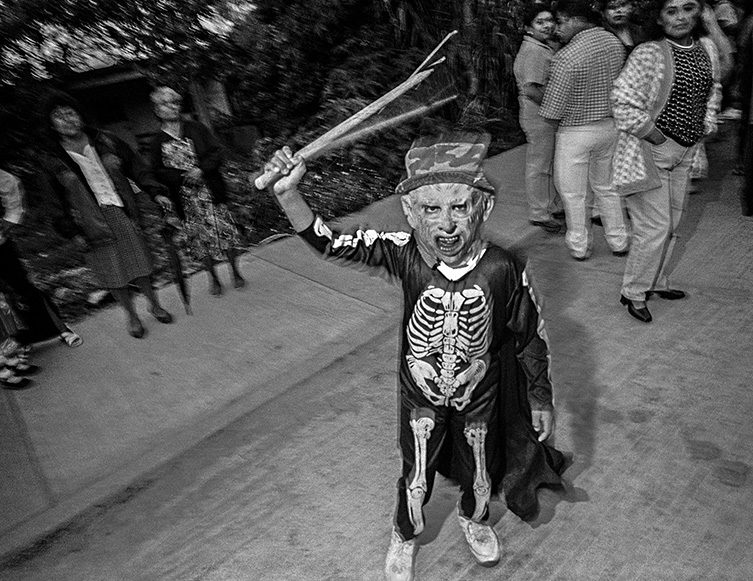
<point x="187" y="158"/>
<point x="665" y="101"/>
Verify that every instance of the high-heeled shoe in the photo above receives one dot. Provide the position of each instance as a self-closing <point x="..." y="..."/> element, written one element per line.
<point x="161" y="315"/>
<point x="135" y="328"/>
<point x="215" y="288"/>
<point x="670" y="294"/>
<point x="640" y="313"/>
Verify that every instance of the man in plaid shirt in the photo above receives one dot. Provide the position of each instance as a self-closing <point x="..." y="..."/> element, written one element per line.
<point x="577" y="98"/>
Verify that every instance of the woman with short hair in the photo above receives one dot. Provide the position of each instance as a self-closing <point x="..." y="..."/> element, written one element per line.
<point x="665" y="101"/>
<point x="531" y="70"/>
<point x="186" y="157"/>
<point x="89" y="171"/>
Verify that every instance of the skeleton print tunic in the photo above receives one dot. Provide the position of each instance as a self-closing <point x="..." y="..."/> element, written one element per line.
<point x="456" y="320"/>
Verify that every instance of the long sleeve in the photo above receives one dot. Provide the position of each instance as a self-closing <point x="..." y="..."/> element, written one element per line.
<point x="532" y="344"/>
<point x="135" y="169"/>
<point x="374" y="249"/>
<point x="634" y="92"/>
<point x="171" y="177"/>
<point x="209" y="152"/>
<point x="715" y="95"/>
<point x="57" y="210"/>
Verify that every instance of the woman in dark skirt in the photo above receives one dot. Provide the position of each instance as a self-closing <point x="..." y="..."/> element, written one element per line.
<point x="186" y="157"/>
<point x="96" y="206"/>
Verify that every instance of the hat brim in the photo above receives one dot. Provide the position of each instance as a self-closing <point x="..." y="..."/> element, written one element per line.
<point x="477" y="181"/>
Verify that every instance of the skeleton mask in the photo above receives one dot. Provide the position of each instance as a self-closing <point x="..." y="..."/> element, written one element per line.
<point x="446" y="219"/>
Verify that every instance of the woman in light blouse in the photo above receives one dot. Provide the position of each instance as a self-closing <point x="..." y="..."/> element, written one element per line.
<point x="95" y="205"/>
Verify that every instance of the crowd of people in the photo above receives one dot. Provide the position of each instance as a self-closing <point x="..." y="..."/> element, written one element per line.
<point x="88" y="177"/>
<point x="615" y="106"/>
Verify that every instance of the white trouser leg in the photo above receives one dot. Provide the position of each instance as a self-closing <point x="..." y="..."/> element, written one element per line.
<point x="421" y="423"/>
<point x="572" y="153"/>
<point x="655" y="216"/>
<point x="606" y="198"/>
<point x="539" y="155"/>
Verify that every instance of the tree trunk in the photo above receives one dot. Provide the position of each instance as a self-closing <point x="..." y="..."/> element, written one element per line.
<point x="469" y="38"/>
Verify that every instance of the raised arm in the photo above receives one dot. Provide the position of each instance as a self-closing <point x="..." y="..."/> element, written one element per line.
<point x="291" y="169"/>
<point x="381" y="251"/>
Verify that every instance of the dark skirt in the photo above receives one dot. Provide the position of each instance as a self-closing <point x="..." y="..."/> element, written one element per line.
<point x="125" y="259"/>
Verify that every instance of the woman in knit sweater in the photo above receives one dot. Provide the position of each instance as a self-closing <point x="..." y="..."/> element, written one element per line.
<point x="665" y="101"/>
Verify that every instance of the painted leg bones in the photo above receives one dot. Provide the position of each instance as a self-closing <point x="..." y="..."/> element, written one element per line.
<point x="475" y="435"/>
<point x="422" y="422"/>
<point x="481" y="538"/>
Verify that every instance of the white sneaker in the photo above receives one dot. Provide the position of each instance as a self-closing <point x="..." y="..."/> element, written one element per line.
<point x="400" y="559"/>
<point x="482" y="541"/>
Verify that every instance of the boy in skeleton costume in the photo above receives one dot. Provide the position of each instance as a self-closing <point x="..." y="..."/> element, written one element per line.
<point x="475" y="395"/>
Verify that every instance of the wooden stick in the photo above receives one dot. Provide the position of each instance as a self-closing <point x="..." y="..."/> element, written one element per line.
<point x="432" y="53"/>
<point x="376" y="127"/>
<point x="267" y="177"/>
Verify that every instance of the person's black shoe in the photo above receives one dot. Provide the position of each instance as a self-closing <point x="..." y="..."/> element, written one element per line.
<point x="215" y="288"/>
<point x="161" y="315"/>
<point x="135" y="328"/>
<point x="671" y="294"/>
<point x="640" y="313"/>
<point x="550" y="226"/>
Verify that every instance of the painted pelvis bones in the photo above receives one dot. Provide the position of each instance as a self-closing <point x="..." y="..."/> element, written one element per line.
<point x="448" y="339"/>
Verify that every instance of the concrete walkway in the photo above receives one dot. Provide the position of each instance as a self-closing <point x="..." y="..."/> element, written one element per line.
<point x="255" y="439"/>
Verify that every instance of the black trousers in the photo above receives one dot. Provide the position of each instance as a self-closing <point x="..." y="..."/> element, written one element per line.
<point x="39" y="315"/>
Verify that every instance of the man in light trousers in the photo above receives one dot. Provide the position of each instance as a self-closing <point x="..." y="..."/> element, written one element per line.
<point x="577" y="98"/>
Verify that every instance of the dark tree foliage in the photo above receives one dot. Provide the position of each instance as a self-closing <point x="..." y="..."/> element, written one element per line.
<point x="292" y="67"/>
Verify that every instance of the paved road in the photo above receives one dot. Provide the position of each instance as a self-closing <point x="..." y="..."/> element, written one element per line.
<point x="300" y="487"/>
